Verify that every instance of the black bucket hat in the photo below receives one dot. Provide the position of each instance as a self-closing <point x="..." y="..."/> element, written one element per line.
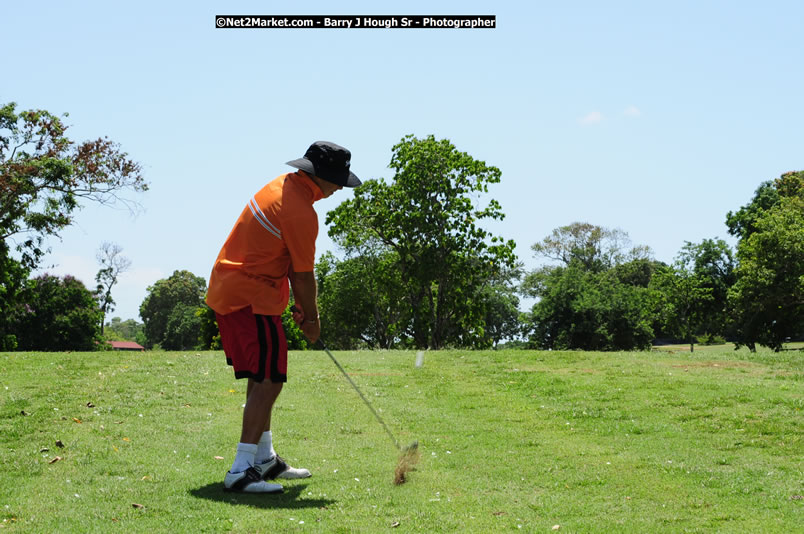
<point x="329" y="162"/>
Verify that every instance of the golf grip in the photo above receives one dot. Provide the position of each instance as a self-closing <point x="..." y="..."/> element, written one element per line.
<point x="349" y="378"/>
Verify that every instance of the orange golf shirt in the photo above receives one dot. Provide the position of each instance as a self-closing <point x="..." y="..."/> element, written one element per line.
<point x="275" y="233"/>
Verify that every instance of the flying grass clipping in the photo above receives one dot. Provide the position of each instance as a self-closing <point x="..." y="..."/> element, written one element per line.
<point x="407" y="463"/>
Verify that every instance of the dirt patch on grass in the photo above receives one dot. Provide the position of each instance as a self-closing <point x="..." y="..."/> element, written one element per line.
<point x="374" y="374"/>
<point x="572" y="371"/>
<point x="752" y="368"/>
<point x="526" y="370"/>
<point x="553" y="370"/>
<point x="721" y="364"/>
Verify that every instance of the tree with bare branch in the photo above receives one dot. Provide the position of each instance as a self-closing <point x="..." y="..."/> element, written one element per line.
<point x="44" y="177"/>
<point x="112" y="264"/>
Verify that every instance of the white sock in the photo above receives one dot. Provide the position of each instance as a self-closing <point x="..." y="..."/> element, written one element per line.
<point x="265" y="448"/>
<point x="244" y="457"/>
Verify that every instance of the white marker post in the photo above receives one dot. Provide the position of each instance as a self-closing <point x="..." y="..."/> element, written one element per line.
<point x="419" y="358"/>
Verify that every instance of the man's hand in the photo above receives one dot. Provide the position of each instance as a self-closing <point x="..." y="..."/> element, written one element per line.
<point x="298" y="315"/>
<point x="310" y="327"/>
<point x="312" y="330"/>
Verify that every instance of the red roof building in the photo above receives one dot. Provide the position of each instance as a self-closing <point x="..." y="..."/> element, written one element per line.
<point x="126" y="345"/>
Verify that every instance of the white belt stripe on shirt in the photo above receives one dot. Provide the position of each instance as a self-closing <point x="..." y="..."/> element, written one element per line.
<point x="262" y="219"/>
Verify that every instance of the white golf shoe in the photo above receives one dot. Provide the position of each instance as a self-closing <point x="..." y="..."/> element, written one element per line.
<point x="249" y="481"/>
<point x="279" y="468"/>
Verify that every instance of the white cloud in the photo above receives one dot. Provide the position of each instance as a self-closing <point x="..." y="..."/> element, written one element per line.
<point x="632" y="111"/>
<point x="591" y="118"/>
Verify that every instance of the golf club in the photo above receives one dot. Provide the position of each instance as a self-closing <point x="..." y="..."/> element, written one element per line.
<point x="409" y="455"/>
<point x="412" y="445"/>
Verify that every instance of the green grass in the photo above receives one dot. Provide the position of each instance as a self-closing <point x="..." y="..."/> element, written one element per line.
<point x="511" y="440"/>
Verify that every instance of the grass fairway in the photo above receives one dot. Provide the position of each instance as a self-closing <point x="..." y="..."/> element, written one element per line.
<point x="511" y="440"/>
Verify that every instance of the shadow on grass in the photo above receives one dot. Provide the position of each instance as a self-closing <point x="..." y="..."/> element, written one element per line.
<point x="290" y="499"/>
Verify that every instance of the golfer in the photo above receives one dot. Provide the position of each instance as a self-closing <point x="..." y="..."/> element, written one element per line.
<point x="271" y="244"/>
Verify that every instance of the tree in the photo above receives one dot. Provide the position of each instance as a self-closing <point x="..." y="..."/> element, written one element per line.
<point x="742" y="223"/>
<point x="586" y="310"/>
<point x="362" y="301"/>
<point x="765" y="298"/>
<point x="712" y="263"/>
<point x="595" y="248"/>
<point x="182" y="328"/>
<point x="597" y="297"/>
<point x="768" y="296"/>
<point x="168" y="311"/>
<point x="682" y="298"/>
<point x="44" y="175"/>
<point x="59" y="314"/>
<point x="13" y="279"/>
<point x="112" y="264"/>
<point x="209" y="337"/>
<point x="128" y="330"/>
<point x="502" y="319"/>
<point x="427" y="218"/>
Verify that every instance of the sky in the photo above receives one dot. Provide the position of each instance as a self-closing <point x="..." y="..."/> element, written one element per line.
<point x="657" y="118"/>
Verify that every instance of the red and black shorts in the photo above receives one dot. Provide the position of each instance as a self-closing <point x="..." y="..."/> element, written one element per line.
<point x="254" y="345"/>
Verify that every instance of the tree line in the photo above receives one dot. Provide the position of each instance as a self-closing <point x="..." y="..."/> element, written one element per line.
<point x="415" y="269"/>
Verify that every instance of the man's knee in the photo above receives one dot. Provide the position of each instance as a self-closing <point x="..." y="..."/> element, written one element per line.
<point x="265" y="389"/>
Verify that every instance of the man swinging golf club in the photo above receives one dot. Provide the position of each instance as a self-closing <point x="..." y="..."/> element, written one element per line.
<point x="272" y="242"/>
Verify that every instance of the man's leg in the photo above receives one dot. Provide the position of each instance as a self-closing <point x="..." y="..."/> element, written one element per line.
<point x="257" y="414"/>
<point x="260" y="398"/>
<point x="252" y="347"/>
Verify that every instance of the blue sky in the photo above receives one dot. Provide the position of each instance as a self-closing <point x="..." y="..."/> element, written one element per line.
<point x="656" y="118"/>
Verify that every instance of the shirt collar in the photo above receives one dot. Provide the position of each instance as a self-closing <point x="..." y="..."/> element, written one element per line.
<point x="308" y="184"/>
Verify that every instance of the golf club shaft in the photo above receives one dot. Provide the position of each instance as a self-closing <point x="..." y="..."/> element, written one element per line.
<point x="361" y="394"/>
<point x="349" y="378"/>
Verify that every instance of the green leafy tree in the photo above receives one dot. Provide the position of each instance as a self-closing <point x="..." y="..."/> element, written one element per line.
<point x="712" y="263"/>
<point x="362" y="301"/>
<point x="182" y="328"/>
<point x="168" y="311"/>
<point x="128" y="330"/>
<point x="586" y="310"/>
<point x="768" y="296"/>
<point x="428" y="218"/>
<point x="743" y="222"/>
<point x="59" y="314"/>
<point x="681" y="300"/>
<point x="112" y="264"/>
<point x="637" y="272"/>
<point x="44" y="175"/>
<point x="13" y="279"/>
<point x="596" y="298"/>
<point x="209" y="337"/>
<point x="44" y="178"/>
<point x="594" y="248"/>
<point x="501" y="315"/>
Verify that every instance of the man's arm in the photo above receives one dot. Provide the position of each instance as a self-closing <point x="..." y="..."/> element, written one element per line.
<point x="305" y="293"/>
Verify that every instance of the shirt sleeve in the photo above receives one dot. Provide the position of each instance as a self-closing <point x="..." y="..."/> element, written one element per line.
<point x="300" y="231"/>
